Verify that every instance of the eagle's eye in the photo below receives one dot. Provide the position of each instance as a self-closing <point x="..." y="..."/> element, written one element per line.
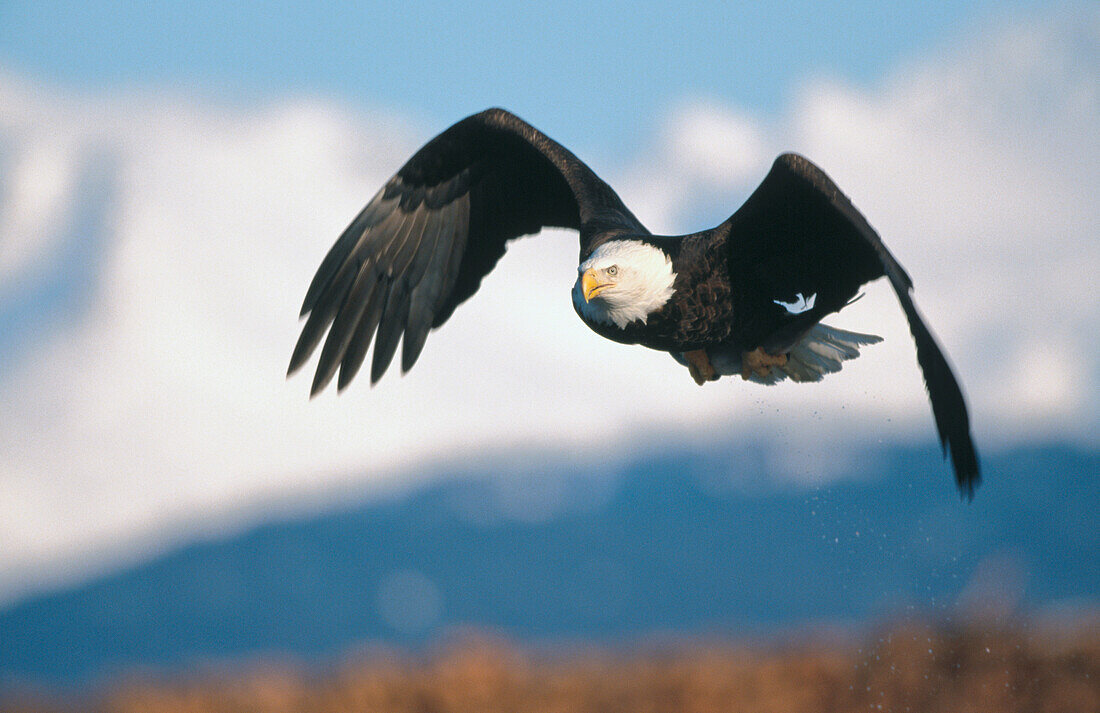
<point x="613" y="270"/>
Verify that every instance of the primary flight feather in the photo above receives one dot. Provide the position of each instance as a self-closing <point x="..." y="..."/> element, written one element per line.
<point x="745" y="297"/>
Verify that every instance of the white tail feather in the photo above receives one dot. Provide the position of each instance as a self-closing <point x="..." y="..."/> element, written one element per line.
<point x="822" y="351"/>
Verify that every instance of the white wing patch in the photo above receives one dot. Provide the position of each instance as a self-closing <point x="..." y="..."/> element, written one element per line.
<point x="799" y="305"/>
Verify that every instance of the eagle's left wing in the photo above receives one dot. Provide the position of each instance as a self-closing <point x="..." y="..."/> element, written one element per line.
<point x="800" y="250"/>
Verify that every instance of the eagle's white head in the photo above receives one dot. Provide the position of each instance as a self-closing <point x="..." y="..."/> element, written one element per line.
<point x="623" y="281"/>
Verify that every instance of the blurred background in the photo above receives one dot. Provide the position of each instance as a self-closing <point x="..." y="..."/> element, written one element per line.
<point x="172" y="509"/>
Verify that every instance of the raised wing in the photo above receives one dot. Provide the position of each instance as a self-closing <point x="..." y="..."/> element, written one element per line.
<point x="422" y="245"/>
<point x="800" y="250"/>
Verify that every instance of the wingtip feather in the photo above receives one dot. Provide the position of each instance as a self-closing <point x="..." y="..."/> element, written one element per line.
<point x="303" y="348"/>
<point x="321" y="379"/>
<point x="948" y="403"/>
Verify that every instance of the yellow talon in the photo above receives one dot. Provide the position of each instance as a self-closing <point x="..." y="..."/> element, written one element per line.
<point x="759" y="362"/>
<point x="699" y="366"/>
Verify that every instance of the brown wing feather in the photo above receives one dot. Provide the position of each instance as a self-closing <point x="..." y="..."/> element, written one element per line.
<point x="798" y="233"/>
<point x="422" y="245"/>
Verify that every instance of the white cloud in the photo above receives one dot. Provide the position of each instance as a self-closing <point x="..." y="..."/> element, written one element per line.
<point x="715" y="145"/>
<point x="37" y="181"/>
<point x="164" y="409"/>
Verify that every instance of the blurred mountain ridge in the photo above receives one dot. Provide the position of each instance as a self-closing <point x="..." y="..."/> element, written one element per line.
<point x="677" y="541"/>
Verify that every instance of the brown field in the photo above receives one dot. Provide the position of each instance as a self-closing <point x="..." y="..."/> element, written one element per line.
<point x="902" y="668"/>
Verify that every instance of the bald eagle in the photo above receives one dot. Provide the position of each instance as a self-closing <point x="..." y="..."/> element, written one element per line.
<point x="744" y="298"/>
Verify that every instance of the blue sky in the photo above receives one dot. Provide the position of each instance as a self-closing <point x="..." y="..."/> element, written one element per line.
<point x="170" y="176"/>
<point x="599" y="72"/>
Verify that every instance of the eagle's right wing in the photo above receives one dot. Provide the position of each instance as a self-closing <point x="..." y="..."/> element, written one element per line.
<point x="422" y="245"/>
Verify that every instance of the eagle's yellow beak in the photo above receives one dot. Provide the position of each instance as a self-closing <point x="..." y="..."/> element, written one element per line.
<point x="590" y="285"/>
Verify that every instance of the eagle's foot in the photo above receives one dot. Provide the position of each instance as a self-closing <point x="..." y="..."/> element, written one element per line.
<point x="700" y="367"/>
<point x="759" y="362"/>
